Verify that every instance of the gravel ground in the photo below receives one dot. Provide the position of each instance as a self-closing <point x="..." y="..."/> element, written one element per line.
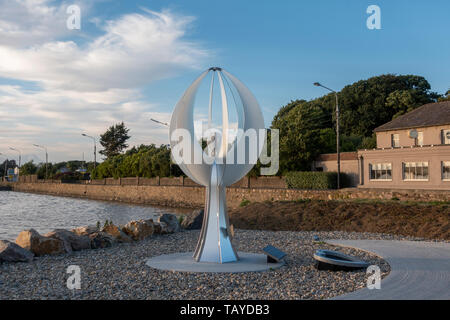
<point x="120" y="272"/>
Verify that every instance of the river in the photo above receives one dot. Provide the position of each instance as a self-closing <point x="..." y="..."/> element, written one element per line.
<point x="20" y="211"/>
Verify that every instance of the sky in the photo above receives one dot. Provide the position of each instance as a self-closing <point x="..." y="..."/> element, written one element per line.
<point x="132" y="60"/>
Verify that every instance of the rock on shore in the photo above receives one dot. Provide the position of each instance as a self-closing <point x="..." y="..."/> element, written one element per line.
<point x="39" y="245"/>
<point x="71" y="241"/>
<point x="139" y="230"/>
<point x="169" y="223"/>
<point x="11" y="252"/>
<point x="193" y="221"/>
<point x="117" y="233"/>
<point x="30" y="243"/>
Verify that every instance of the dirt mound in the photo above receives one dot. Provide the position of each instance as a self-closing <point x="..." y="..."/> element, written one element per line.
<point x="430" y="221"/>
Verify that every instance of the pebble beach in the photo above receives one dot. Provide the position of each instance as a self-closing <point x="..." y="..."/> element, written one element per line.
<point x="120" y="272"/>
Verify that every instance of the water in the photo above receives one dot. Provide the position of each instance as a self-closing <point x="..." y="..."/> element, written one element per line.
<point x="20" y="211"/>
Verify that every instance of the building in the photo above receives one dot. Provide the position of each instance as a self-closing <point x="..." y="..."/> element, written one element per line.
<point x="349" y="165"/>
<point x="413" y="152"/>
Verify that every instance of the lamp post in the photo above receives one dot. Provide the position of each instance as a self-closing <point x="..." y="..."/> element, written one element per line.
<point x="157" y="121"/>
<point x="167" y="125"/>
<point x="46" y="159"/>
<point x="20" y="157"/>
<point x="317" y="84"/>
<point x="95" y="148"/>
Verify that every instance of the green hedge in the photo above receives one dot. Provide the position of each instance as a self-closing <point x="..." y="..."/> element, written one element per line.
<point x="314" y="180"/>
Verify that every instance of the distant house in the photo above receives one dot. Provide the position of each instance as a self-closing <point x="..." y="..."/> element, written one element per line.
<point x="63" y="170"/>
<point x="413" y="152"/>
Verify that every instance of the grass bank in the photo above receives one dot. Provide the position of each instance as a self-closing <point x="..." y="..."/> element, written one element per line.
<point x="424" y="220"/>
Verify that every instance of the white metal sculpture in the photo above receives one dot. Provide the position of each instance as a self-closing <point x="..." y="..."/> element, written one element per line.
<point x="214" y="243"/>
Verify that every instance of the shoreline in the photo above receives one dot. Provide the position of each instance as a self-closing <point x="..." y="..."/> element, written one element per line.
<point x="426" y="220"/>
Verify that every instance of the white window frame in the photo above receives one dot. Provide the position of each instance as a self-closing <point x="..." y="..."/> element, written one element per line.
<point x="444" y="164"/>
<point x="404" y="165"/>
<point x="419" y="140"/>
<point x="445" y="140"/>
<point x="394" y="140"/>
<point x="382" y="166"/>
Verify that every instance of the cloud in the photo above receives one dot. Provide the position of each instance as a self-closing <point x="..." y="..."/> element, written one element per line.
<point x="85" y="86"/>
<point x="28" y="22"/>
<point x="134" y="50"/>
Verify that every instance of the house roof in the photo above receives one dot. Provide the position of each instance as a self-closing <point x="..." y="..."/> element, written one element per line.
<point x="428" y="115"/>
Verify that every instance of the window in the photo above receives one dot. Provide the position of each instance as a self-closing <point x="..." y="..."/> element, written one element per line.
<point x="415" y="171"/>
<point x="395" y="140"/>
<point x="381" y="171"/>
<point x="446" y="170"/>
<point x="445" y="136"/>
<point x="419" y="140"/>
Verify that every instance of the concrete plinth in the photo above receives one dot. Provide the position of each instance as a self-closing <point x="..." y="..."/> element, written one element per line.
<point x="248" y="262"/>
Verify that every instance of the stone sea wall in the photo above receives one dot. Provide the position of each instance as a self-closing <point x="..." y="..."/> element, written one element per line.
<point x="193" y="196"/>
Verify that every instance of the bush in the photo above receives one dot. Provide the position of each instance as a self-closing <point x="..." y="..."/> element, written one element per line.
<point x="315" y="180"/>
<point x="244" y="203"/>
<point x="68" y="176"/>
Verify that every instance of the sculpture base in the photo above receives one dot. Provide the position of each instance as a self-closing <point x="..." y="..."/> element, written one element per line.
<point x="248" y="262"/>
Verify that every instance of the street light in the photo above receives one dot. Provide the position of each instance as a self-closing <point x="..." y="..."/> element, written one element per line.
<point x="317" y="84"/>
<point x="46" y="159"/>
<point x="20" y="157"/>
<point x="95" y="148"/>
<point x="165" y="124"/>
<point x="157" y="121"/>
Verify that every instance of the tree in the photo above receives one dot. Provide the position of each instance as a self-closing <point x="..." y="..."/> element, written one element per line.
<point x="304" y="133"/>
<point x="28" y="168"/>
<point x="307" y="128"/>
<point x="370" y="103"/>
<point x="445" y="97"/>
<point x="114" y="140"/>
<point x="143" y="161"/>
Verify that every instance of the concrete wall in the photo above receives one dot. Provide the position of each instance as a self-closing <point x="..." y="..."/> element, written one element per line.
<point x="193" y="197"/>
<point x="246" y="182"/>
<point x="433" y="155"/>
<point x="431" y="136"/>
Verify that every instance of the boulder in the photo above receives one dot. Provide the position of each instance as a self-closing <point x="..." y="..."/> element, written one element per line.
<point x="115" y="232"/>
<point x="171" y="221"/>
<point x="163" y="228"/>
<point x="11" y="252"/>
<point x="101" y="240"/>
<point x="85" y="231"/>
<point x="140" y="229"/>
<point x="156" y="228"/>
<point x="193" y="221"/>
<point x="39" y="245"/>
<point x="71" y="241"/>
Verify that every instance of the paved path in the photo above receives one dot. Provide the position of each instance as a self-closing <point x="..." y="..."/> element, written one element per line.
<point x="419" y="269"/>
